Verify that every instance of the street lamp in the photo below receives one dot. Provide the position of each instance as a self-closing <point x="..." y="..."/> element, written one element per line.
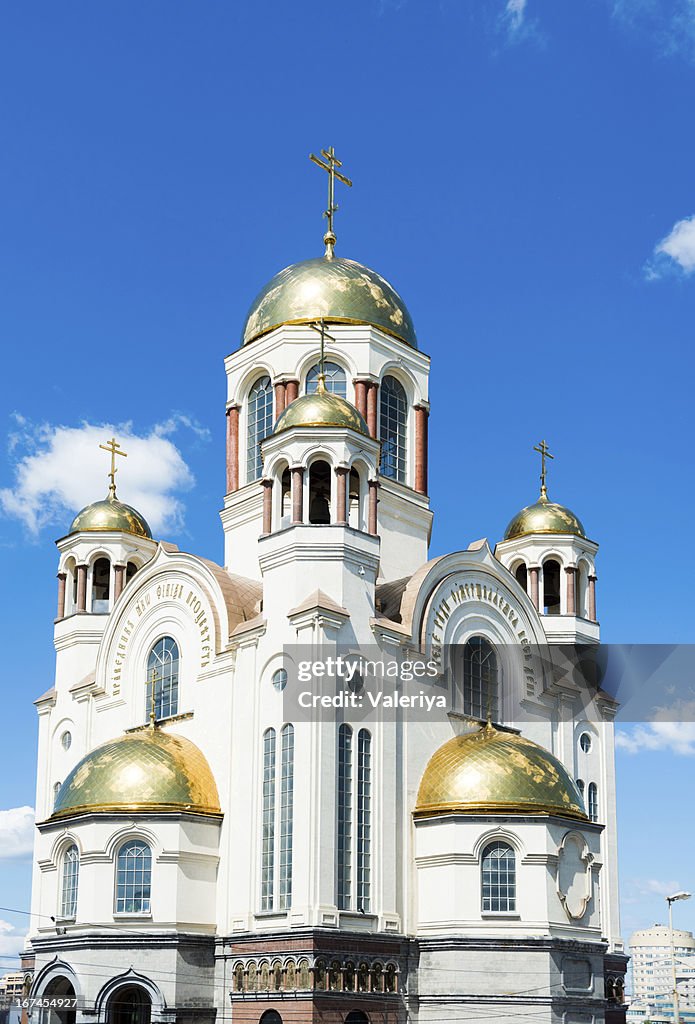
<point x="671" y="900"/>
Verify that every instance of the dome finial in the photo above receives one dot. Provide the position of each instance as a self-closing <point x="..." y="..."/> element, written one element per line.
<point x="330" y="166"/>
<point x="544" y="452"/>
<point x="113" y="447"/>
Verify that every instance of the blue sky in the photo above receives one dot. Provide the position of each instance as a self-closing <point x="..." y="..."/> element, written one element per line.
<point x="523" y="173"/>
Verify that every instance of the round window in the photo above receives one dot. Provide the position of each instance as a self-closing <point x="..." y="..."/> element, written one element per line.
<point x="585" y="742"/>
<point x="280" y="679"/>
<point x="66" y="740"/>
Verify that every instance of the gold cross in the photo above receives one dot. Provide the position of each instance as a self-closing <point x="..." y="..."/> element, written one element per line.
<point x="114" y="447"/>
<point x="544" y="452"/>
<point x="153" y="700"/>
<point x="320" y="328"/>
<point x="330" y="165"/>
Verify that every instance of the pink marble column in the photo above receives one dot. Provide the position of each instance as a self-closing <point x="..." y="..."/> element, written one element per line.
<point x="267" y="506"/>
<point x="571" y="590"/>
<point x="62" y="576"/>
<point x="341" y="489"/>
<point x="372" y="523"/>
<point x="372" y="403"/>
<point x="81" y="588"/>
<point x="291" y="391"/>
<point x="118" y="580"/>
<point x="297" y="495"/>
<point x="591" y="598"/>
<point x="280" y="397"/>
<point x="361" y="396"/>
<point x="232" y="448"/>
<point x="421" y="445"/>
<point x="534" y="572"/>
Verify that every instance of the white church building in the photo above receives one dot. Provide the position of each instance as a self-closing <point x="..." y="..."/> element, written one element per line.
<point x="205" y="854"/>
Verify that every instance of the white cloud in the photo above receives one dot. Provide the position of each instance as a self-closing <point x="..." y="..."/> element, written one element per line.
<point x="12" y="941"/>
<point x="16" y="832"/>
<point x="514" y="14"/>
<point x="676" y="736"/>
<point x="675" y="252"/>
<point x="668" y="25"/>
<point x="60" y="469"/>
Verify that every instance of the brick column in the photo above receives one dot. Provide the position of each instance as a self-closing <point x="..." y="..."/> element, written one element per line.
<point x="280" y="397"/>
<point x="297" y="494"/>
<point x="571" y="590"/>
<point x="361" y="396"/>
<point x="232" y="448"/>
<point x="534" y="572"/>
<point x="372" y="402"/>
<point x="267" y="506"/>
<point x="81" y="588"/>
<point x="591" y="598"/>
<point x="62" y="576"/>
<point x="421" y="445"/>
<point x="372" y="522"/>
<point x="291" y="391"/>
<point x="341" y="516"/>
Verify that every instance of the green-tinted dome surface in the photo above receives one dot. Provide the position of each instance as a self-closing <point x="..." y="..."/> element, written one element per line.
<point x="332" y="289"/>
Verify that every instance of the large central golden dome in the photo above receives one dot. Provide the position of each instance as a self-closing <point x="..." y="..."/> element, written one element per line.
<point x="148" y="770"/>
<point x="333" y="289"/>
<point x="494" y="772"/>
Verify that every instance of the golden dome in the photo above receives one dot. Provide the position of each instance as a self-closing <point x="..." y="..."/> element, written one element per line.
<point x="144" y="771"/>
<point x="333" y="289"/>
<point x="544" y="517"/>
<point x="111" y="514"/>
<point x="321" y="409"/>
<point x="495" y="772"/>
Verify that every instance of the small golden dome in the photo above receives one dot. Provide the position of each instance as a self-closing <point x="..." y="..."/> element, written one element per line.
<point x="111" y="514"/>
<point x="544" y="517"/>
<point x="321" y="409"/>
<point x="144" y="771"/>
<point x="495" y="772"/>
<point x="333" y="289"/>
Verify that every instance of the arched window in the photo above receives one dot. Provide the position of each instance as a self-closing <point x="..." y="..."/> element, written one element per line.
<point x="592" y="801"/>
<point x="163" y="670"/>
<point x="320" y="493"/>
<point x="344" y="823"/>
<point x="480" y="679"/>
<point x="335" y="379"/>
<point x="259" y="425"/>
<point x="551" y="587"/>
<point x="129" y="1005"/>
<point x="270" y="1017"/>
<point x="393" y="429"/>
<point x="357" y="1017"/>
<point x="268" y="821"/>
<point x="354" y="516"/>
<point x="130" y="570"/>
<point x="286" y="808"/>
<point x="364" y="820"/>
<point x="133" y="878"/>
<point x="581" y="787"/>
<point x="68" y="890"/>
<point x="498" y="879"/>
<point x="101" y="579"/>
<point x="521" y="574"/>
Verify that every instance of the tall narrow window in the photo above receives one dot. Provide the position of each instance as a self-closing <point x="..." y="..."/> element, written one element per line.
<point x="268" y="822"/>
<point x="320" y="493"/>
<point x="393" y="429"/>
<point x="163" y="670"/>
<point x="259" y="425"/>
<point x="130" y="570"/>
<point x="344" y="837"/>
<point x="68" y="892"/>
<point x="364" y="820"/>
<point x="335" y="379"/>
<point x="101" y="577"/>
<point x="592" y="801"/>
<point x="133" y="878"/>
<point x="551" y="587"/>
<point x="286" y="802"/>
<point x="480" y="682"/>
<point x="498" y="879"/>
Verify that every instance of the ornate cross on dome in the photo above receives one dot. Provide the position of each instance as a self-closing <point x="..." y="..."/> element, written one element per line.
<point x="320" y="328"/>
<point x="330" y="165"/>
<point x="114" y="447"/>
<point x="544" y="452"/>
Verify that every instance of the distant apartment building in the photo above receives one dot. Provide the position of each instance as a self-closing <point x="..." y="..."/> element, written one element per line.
<point x="652" y="976"/>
